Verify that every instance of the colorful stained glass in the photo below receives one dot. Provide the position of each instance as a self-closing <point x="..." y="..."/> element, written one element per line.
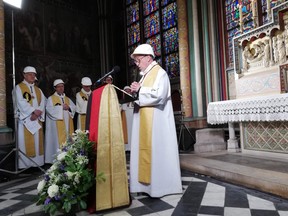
<point x="132" y="13"/>
<point x="155" y="42"/>
<point x="151" y="25"/>
<point x="129" y="2"/>
<point x="160" y="32"/>
<point x="232" y="25"/>
<point x="248" y="26"/>
<point x="172" y="65"/>
<point x="133" y="33"/>
<point x="150" y="6"/>
<point x="165" y="2"/>
<point x="169" y="18"/>
<point x="231" y="34"/>
<point x="228" y="2"/>
<point x="170" y="41"/>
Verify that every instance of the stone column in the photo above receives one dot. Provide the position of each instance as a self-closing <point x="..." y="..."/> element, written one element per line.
<point x="232" y="143"/>
<point x="197" y="57"/>
<point x="184" y="57"/>
<point x="2" y="69"/>
<point x="5" y="132"/>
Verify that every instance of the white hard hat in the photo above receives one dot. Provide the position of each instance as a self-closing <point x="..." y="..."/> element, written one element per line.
<point x="143" y="49"/>
<point x="86" y="81"/>
<point x="109" y="76"/>
<point x="29" y="69"/>
<point x="57" y="81"/>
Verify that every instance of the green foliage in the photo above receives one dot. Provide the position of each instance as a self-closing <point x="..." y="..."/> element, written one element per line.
<point x="66" y="183"/>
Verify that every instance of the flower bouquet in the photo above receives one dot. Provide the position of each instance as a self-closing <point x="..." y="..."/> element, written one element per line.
<point x="66" y="183"/>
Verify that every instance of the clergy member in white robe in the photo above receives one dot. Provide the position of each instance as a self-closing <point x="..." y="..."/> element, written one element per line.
<point x="128" y="109"/>
<point x="60" y="111"/>
<point x="29" y="104"/>
<point x="154" y="162"/>
<point x="81" y="102"/>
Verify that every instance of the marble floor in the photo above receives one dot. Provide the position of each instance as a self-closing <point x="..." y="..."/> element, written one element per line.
<point x="202" y="196"/>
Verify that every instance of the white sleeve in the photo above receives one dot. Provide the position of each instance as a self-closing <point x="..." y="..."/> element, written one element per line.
<point x="23" y="108"/>
<point x="156" y="95"/>
<point x="54" y="112"/>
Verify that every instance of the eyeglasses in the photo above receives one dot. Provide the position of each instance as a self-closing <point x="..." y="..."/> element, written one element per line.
<point x="137" y="61"/>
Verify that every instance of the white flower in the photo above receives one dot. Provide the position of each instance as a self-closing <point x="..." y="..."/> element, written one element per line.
<point x="53" y="168"/>
<point x="69" y="174"/>
<point x="78" y="131"/>
<point x="61" y="156"/>
<point x="53" y="190"/>
<point x="82" y="159"/>
<point x="77" y="179"/>
<point x="41" y="185"/>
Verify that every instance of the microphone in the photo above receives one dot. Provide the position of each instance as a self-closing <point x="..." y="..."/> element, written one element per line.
<point x="115" y="69"/>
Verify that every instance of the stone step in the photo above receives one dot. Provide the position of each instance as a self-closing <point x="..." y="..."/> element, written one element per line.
<point x="266" y="175"/>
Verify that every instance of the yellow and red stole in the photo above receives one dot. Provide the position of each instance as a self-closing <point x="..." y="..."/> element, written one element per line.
<point x="145" y="132"/>
<point x="28" y="137"/>
<point x="105" y="128"/>
<point x="61" y="128"/>
<point x="82" y="117"/>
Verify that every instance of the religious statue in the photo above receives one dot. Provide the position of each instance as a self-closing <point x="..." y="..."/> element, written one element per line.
<point x="275" y="50"/>
<point x="266" y="58"/>
<point x="245" y="56"/>
<point x="281" y="48"/>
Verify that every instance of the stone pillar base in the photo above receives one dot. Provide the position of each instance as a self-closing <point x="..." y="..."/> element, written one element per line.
<point x="232" y="145"/>
<point x="210" y="140"/>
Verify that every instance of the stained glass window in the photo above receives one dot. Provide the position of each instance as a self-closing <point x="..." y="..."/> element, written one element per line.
<point x="155" y="24"/>
<point x="129" y="1"/>
<point x="133" y="33"/>
<point x="170" y="41"/>
<point x="169" y="18"/>
<point x="151" y="25"/>
<point x="232" y="23"/>
<point x="165" y="2"/>
<point x="133" y="13"/>
<point x="172" y="65"/>
<point x="150" y="6"/>
<point x="154" y="42"/>
<point x="248" y="26"/>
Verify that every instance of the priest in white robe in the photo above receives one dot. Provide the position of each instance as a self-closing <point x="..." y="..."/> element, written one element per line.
<point x="82" y="101"/>
<point x="60" y="111"/>
<point x="154" y="162"/>
<point x="29" y="104"/>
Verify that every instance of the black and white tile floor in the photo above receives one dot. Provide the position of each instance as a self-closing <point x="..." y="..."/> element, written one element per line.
<point x="202" y="196"/>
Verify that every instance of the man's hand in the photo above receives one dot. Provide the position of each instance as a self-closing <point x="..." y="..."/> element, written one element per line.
<point x="135" y="86"/>
<point x="37" y="112"/>
<point x="33" y="117"/>
<point x="65" y="107"/>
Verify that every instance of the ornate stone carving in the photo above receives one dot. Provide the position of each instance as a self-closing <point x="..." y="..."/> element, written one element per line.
<point x="271" y="51"/>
